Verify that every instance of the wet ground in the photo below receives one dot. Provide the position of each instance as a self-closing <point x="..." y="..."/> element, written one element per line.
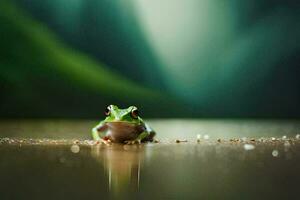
<point x="208" y="159"/>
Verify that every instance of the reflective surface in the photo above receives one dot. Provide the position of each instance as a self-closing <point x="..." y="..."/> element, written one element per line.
<point x="248" y="168"/>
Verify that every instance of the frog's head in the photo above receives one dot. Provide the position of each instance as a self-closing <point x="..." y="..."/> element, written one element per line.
<point x="128" y="115"/>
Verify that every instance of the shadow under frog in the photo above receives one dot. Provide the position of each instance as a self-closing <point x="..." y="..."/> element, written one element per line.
<point x="122" y="165"/>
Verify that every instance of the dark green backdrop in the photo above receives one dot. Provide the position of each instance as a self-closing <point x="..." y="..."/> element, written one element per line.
<point x="171" y="58"/>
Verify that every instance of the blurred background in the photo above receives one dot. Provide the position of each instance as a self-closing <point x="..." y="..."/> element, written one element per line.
<point x="171" y="58"/>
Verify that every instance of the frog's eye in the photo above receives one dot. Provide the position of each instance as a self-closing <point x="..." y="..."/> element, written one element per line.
<point x="134" y="113"/>
<point x="107" y="111"/>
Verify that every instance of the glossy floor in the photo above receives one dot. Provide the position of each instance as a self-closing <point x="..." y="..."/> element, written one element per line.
<point x="260" y="168"/>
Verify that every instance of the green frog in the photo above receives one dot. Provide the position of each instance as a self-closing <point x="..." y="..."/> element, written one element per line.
<point x="122" y="126"/>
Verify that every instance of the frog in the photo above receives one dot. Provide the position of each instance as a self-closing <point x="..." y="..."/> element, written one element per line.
<point x="122" y="126"/>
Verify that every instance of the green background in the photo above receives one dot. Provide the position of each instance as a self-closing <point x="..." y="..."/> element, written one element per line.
<point x="170" y="58"/>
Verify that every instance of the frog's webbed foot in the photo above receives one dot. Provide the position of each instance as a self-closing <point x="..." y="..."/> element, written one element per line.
<point x="136" y="141"/>
<point x="98" y="134"/>
<point x="139" y="139"/>
<point x="102" y="141"/>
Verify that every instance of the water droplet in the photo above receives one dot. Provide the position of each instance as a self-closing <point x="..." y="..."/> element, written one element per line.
<point x="275" y="153"/>
<point x="76" y="142"/>
<point x="206" y="137"/>
<point x="249" y="147"/>
<point x="284" y="137"/>
<point x="75" y="148"/>
<point x="198" y="136"/>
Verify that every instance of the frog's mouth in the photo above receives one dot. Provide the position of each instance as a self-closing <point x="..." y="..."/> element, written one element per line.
<point x="121" y="124"/>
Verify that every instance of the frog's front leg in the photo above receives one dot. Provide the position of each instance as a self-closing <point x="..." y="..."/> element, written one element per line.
<point x="98" y="133"/>
<point x="151" y="133"/>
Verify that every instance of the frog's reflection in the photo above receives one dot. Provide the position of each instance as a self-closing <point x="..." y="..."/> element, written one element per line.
<point x="122" y="165"/>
